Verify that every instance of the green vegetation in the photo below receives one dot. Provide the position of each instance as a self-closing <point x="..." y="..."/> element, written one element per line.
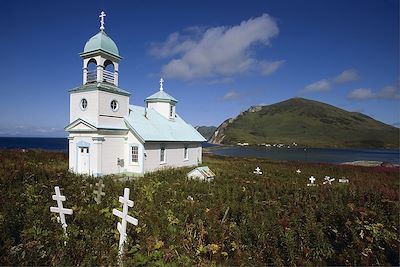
<point x="309" y="123"/>
<point x="206" y="131"/>
<point x="273" y="218"/>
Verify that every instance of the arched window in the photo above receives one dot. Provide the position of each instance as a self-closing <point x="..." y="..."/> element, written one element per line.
<point x="91" y="70"/>
<point x="108" y="75"/>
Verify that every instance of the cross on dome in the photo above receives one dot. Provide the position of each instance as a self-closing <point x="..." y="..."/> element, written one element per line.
<point x="161" y="84"/>
<point x="102" y="15"/>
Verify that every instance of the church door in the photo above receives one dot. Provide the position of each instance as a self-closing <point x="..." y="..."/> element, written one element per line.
<point x="83" y="160"/>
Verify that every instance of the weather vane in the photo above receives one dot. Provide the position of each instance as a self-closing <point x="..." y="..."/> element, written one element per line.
<point x="102" y="15"/>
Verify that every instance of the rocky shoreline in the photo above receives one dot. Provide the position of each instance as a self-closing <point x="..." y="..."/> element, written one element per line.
<point x="370" y="163"/>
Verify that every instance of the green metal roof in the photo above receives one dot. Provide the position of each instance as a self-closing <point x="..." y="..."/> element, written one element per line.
<point x="101" y="41"/>
<point x="106" y="87"/>
<point x="155" y="127"/>
<point x="161" y="96"/>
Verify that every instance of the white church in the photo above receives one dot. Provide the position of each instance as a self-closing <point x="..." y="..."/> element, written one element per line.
<point x="107" y="135"/>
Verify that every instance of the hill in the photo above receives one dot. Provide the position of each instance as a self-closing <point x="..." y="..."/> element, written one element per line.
<point x="206" y="131"/>
<point x="308" y="123"/>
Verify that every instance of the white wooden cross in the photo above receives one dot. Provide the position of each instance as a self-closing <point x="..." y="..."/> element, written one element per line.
<point x="344" y="180"/>
<point x="298" y="171"/>
<point x="125" y="218"/>
<point x="328" y="180"/>
<point x="312" y="180"/>
<point x="102" y="15"/>
<point x="99" y="191"/>
<point x="257" y="171"/>
<point x="60" y="209"/>
<point x="161" y="84"/>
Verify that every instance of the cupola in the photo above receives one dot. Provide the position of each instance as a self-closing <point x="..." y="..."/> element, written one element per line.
<point x="162" y="102"/>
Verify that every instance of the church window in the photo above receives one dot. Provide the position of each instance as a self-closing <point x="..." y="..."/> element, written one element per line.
<point x="135" y="154"/>
<point x="171" y="111"/>
<point x="114" y="105"/>
<point x="185" y="153"/>
<point x="162" y="155"/>
<point x="83" y="104"/>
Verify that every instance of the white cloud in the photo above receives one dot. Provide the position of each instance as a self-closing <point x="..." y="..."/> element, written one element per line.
<point x="327" y="84"/>
<point x="218" y="51"/>
<point x="361" y="94"/>
<point x="346" y="76"/>
<point x="388" y="93"/>
<point x="174" y="45"/>
<point x="231" y="95"/>
<point x="267" y="68"/>
<point x="322" y="85"/>
<point x="34" y="131"/>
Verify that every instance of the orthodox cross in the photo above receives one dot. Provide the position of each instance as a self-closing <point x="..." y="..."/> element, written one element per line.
<point x="60" y="209"/>
<point x="258" y="170"/>
<point x="328" y="180"/>
<point x="102" y="15"/>
<point x="121" y="226"/>
<point x="312" y="180"/>
<point x="161" y="84"/>
<point x="99" y="191"/>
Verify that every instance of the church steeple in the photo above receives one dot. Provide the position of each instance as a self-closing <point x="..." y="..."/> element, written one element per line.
<point x="100" y="57"/>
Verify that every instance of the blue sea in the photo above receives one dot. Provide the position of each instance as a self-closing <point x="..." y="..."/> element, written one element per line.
<point x="325" y="155"/>
<point x="296" y="154"/>
<point x="53" y="144"/>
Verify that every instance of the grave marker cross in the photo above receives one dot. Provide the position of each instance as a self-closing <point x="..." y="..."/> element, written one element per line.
<point x="258" y="170"/>
<point x="99" y="191"/>
<point x="328" y="180"/>
<point x="121" y="226"/>
<point x="312" y="180"/>
<point x="60" y="209"/>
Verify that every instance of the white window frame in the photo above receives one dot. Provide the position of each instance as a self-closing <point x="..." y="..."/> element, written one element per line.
<point x="132" y="147"/>
<point x="164" y="159"/>
<point x="81" y="104"/>
<point x="185" y="153"/>
<point x="117" y="105"/>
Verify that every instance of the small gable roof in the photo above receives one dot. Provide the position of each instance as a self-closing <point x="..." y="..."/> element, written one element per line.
<point x="155" y="127"/>
<point x="85" y="126"/>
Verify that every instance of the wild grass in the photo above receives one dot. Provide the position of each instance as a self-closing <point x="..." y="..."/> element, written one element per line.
<point x="272" y="219"/>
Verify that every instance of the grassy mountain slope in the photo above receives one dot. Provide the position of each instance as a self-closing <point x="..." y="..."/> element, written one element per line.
<point x="307" y="122"/>
<point x="206" y="131"/>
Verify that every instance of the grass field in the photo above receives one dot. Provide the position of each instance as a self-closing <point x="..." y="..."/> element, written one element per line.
<point x="273" y="218"/>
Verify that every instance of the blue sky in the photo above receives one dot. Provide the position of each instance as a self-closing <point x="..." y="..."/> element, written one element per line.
<point x="217" y="57"/>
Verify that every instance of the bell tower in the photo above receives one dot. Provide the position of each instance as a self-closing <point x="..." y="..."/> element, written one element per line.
<point x="99" y="101"/>
<point x="100" y="58"/>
